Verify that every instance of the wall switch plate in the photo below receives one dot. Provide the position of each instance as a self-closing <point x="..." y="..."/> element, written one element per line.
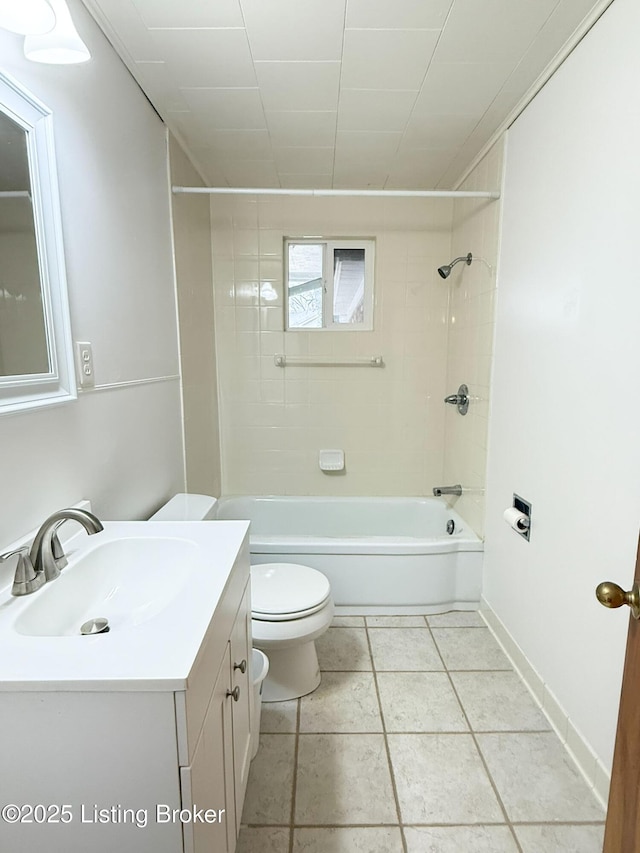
<point x="84" y="358"/>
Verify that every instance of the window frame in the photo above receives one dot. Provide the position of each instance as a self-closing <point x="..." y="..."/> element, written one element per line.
<point x="329" y="245"/>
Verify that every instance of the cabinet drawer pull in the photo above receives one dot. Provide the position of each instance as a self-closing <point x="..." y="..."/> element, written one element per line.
<point x="235" y="693"/>
<point x="242" y="666"/>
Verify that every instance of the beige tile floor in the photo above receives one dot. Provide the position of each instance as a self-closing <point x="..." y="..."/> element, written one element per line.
<point x="420" y="739"/>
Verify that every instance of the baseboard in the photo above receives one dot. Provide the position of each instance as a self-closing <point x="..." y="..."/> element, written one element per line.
<point x="589" y="765"/>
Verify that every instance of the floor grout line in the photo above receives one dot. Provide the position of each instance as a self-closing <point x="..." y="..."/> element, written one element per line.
<point x="295" y="777"/>
<point x="386" y="745"/>
<point x="479" y="751"/>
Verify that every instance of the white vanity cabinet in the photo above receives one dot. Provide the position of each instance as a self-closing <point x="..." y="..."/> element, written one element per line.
<point x="141" y="764"/>
<point x="218" y="769"/>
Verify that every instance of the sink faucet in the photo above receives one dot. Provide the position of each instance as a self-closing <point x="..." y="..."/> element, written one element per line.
<point x="46" y="554"/>
<point x="438" y="491"/>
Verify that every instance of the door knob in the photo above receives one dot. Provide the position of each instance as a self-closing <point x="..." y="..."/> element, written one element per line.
<point x="235" y="693"/>
<point x="610" y="594"/>
<point x="242" y="666"/>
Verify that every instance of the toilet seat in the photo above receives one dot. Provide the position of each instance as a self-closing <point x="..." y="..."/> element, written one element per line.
<point x="281" y="592"/>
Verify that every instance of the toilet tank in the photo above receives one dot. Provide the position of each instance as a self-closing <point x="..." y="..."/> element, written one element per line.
<point x="185" y="507"/>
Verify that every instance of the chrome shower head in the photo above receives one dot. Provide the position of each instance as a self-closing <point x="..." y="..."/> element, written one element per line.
<point x="445" y="271"/>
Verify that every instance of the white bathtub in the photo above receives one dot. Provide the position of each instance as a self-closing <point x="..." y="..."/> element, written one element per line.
<point x="376" y="552"/>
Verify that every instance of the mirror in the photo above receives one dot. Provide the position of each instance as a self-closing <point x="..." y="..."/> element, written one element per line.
<point x="23" y="343"/>
<point x="36" y="363"/>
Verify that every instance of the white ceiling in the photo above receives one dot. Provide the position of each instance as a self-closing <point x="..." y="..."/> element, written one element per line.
<point x="394" y="94"/>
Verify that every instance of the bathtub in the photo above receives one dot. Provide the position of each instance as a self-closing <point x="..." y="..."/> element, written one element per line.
<point x="378" y="553"/>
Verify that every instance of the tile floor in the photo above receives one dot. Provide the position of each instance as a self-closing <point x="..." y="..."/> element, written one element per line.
<point x="420" y="739"/>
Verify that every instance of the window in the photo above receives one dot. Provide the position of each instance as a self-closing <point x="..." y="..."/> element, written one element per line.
<point x="329" y="284"/>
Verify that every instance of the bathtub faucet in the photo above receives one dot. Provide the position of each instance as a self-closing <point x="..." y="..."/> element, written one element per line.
<point x="438" y="491"/>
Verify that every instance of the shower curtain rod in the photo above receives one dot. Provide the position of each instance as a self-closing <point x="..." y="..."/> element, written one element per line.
<point x="368" y="193"/>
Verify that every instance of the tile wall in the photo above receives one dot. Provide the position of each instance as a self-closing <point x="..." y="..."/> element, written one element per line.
<point x="390" y="421"/>
<point x="472" y="291"/>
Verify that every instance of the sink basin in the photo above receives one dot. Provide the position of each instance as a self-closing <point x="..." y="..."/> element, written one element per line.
<point x="159" y="584"/>
<point x="128" y="581"/>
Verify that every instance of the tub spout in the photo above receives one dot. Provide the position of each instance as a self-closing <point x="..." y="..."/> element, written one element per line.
<point x="439" y="491"/>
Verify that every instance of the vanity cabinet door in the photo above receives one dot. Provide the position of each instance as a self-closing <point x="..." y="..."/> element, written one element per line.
<point x="208" y="782"/>
<point x="242" y="708"/>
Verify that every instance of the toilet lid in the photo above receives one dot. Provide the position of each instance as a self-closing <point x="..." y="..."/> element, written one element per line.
<point x="281" y="589"/>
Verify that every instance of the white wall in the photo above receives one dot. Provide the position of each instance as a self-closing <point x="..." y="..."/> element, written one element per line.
<point x="390" y="422"/>
<point x="121" y="447"/>
<point x="564" y="424"/>
<point x="194" y="273"/>
<point x="472" y="292"/>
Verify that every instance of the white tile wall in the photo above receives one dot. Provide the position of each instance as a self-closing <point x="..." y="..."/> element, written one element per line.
<point x="390" y="422"/>
<point x="472" y="292"/>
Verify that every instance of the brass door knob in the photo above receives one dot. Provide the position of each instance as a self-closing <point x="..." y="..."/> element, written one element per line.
<point x="610" y="594"/>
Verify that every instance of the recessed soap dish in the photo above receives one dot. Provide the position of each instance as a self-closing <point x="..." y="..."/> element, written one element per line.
<point x="331" y="460"/>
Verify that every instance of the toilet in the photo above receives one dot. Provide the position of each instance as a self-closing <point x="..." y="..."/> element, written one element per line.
<point x="291" y="606"/>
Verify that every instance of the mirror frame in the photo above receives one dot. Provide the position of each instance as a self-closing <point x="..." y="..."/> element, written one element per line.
<point x="58" y="385"/>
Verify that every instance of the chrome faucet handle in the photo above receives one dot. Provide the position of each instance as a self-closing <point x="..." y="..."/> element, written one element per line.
<point x="26" y="579"/>
<point x="56" y="548"/>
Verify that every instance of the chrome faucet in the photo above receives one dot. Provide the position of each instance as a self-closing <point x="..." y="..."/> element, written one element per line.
<point x="456" y="490"/>
<point x="46" y="554"/>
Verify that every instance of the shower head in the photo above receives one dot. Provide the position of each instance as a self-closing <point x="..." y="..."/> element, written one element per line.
<point x="445" y="271"/>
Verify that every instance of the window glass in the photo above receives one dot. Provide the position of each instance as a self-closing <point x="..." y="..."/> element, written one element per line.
<point x="305" y="285"/>
<point x="348" y="286"/>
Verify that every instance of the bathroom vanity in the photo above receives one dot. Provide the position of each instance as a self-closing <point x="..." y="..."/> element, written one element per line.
<point x="136" y="740"/>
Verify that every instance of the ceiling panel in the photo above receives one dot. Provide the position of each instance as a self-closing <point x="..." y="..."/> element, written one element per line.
<point x="344" y="93"/>
<point x="289" y="29"/>
<point x="363" y="110"/>
<point x="430" y="130"/>
<point x="419" y="168"/>
<point x="241" y="144"/>
<point x="206" y="57"/>
<point x="455" y="88"/>
<point x="304" y="160"/>
<point x="514" y="25"/>
<point x="292" y="128"/>
<point x="190" y="13"/>
<point x="250" y="173"/>
<point x="381" y="143"/>
<point x="359" y="176"/>
<point x="387" y="59"/>
<point x="401" y="14"/>
<point x="226" y="109"/>
<point x="299" y="85"/>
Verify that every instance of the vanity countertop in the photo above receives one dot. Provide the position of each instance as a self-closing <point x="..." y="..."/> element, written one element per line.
<point x="149" y="648"/>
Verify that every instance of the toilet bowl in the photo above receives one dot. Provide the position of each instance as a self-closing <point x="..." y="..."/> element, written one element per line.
<point x="291" y="606"/>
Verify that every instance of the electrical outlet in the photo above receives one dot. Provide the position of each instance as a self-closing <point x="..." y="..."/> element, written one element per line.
<point x="84" y="356"/>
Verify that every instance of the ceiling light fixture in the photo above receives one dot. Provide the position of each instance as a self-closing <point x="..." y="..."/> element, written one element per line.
<point x="27" y="17"/>
<point x="61" y="46"/>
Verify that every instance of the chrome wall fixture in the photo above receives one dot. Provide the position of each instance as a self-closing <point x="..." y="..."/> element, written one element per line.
<point x="461" y="399"/>
<point x="439" y="491"/>
<point x="282" y="360"/>
<point x="445" y="271"/>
